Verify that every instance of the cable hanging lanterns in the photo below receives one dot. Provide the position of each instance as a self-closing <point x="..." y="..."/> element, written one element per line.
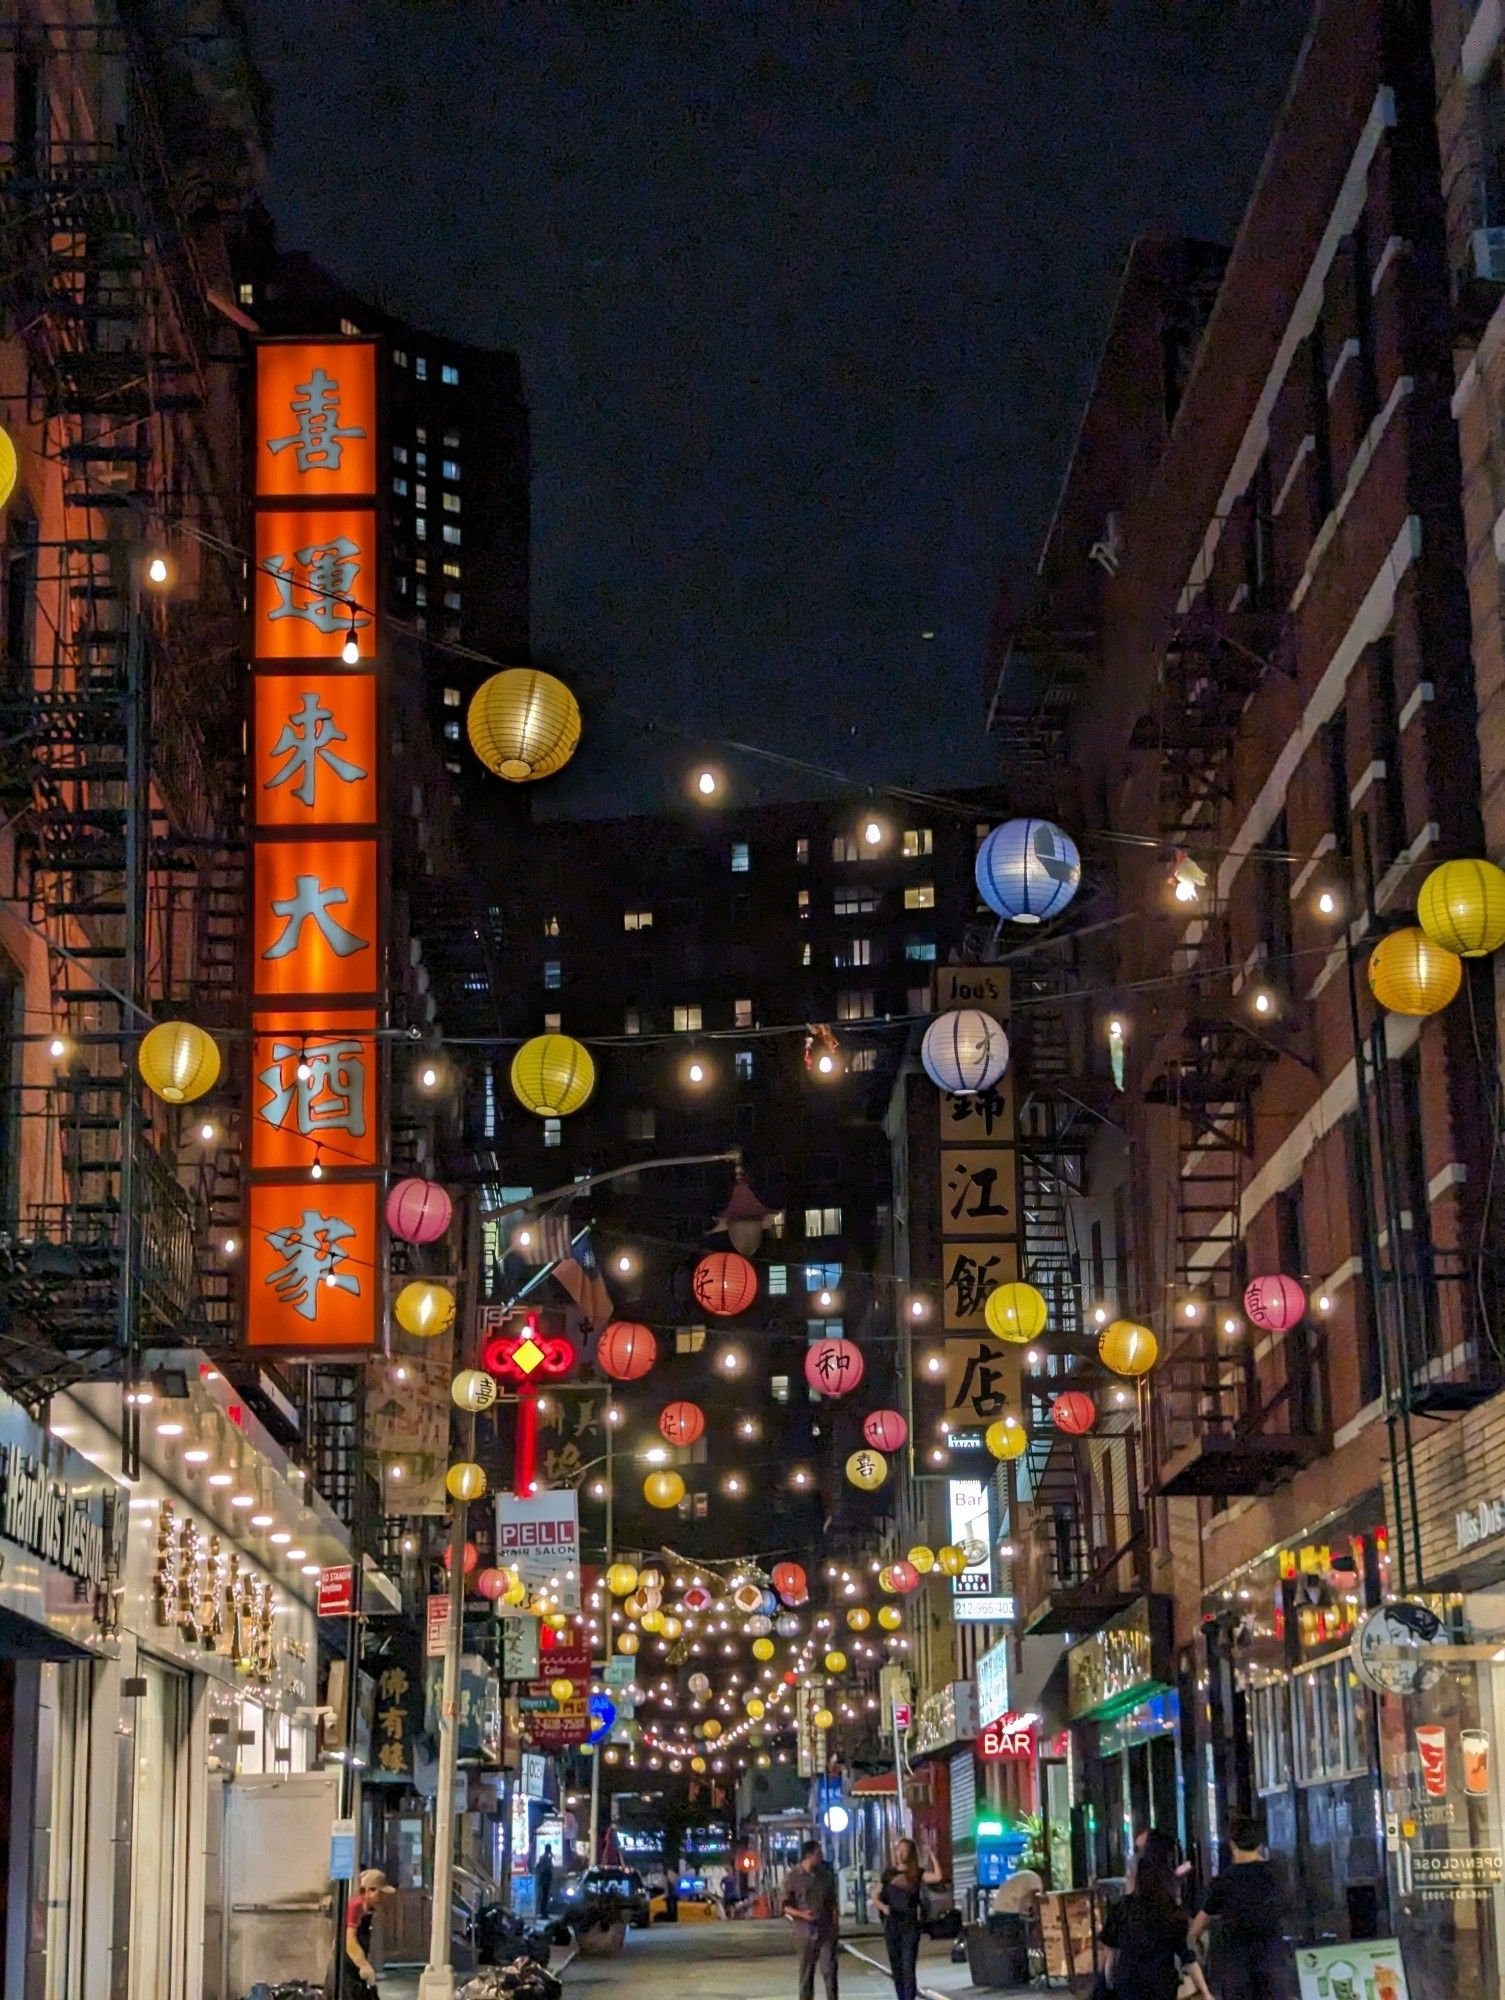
<point x="1006" y="1437"/>
<point x="884" y="1430"/>
<point x="553" y="1075"/>
<point x="424" y="1309"/>
<point x="523" y="725"/>
<point x="178" y="1061"/>
<point x="1028" y="870"/>
<point x="1074" y="1412"/>
<point x="964" y="1051"/>
<point x="663" y="1489"/>
<point x="681" y="1423"/>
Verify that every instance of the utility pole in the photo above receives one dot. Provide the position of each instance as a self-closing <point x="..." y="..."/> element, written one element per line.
<point x="606" y="1558"/>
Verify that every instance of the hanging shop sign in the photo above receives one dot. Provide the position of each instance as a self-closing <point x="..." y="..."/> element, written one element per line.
<point x="1010" y="1738"/>
<point x="947" y="1716"/>
<point x="478" y="1709"/>
<point x="974" y="1600"/>
<point x="62" y="1533"/>
<point x="315" y="1249"/>
<point x="1394" y="1647"/>
<point x="398" y="1724"/>
<point x="1121" y="1665"/>
<point x="337" y="1591"/>
<point x="539" y="1537"/>
<point x="533" y="1774"/>
<point x="520" y="1646"/>
<point x="550" y="1723"/>
<point x="992" y="1678"/>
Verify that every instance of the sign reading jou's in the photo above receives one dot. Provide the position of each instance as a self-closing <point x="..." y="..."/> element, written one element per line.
<point x="314" y="1259"/>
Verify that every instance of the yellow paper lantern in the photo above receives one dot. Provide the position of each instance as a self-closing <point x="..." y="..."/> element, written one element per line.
<point x="824" y="1719"/>
<point x="890" y="1617"/>
<point x="473" y="1389"/>
<point x="10" y="465"/>
<point x="558" y="1621"/>
<point x="1127" y="1348"/>
<point x="922" y="1559"/>
<point x="562" y="1690"/>
<point x="1016" y="1312"/>
<point x="651" y="1579"/>
<point x="516" y="1592"/>
<point x="859" y="1618"/>
<point x="697" y="1764"/>
<point x="1462" y="907"/>
<point x="710" y="1729"/>
<point x="836" y="1662"/>
<point x="755" y="1708"/>
<point x="663" y="1489"/>
<point x="867" y="1469"/>
<point x="672" y="1626"/>
<point x="1006" y="1437"/>
<point x="178" y="1061"/>
<point x="652" y="1621"/>
<point x="952" y="1561"/>
<point x="553" y="1075"/>
<point x="621" y="1579"/>
<point x="425" y="1309"/>
<point x="762" y="1649"/>
<point x="465" y="1481"/>
<point x="1409" y="974"/>
<point x="523" y="725"/>
<point x="628" y="1643"/>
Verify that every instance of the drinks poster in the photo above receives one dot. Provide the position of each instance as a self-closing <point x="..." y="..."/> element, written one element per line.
<point x="1368" y="1970"/>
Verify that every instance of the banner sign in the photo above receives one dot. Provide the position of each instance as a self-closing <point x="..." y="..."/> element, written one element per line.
<point x="552" y="1724"/>
<point x="519" y="1646"/>
<point x="540" y="1538"/>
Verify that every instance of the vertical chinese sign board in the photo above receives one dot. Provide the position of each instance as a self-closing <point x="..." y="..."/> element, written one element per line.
<point x="314" y="1263"/>
<point x="980" y="1221"/>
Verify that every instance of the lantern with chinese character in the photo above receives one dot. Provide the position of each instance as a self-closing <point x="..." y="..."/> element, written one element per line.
<point x="1462" y="907"/>
<point x="922" y="1558"/>
<point x="1073" y="1412"/>
<point x="1127" y="1348"/>
<point x="790" y="1581"/>
<point x="178" y="1061"/>
<point x="724" y="1283"/>
<point x="1276" y="1303"/>
<point x="859" y="1618"/>
<point x="1016" y="1312"/>
<point x="473" y="1389"/>
<point x="663" y="1489"/>
<point x="626" y="1350"/>
<point x="1409" y="974"/>
<point x="949" y="1560"/>
<point x="424" y="1309"/>
<point x="964" y="1051"/>
<point x="884" y="1430"/>
<point x="867" y="1469"/>
<point x="681" y="1423"/>
<point x="1006" y="1437"/>
<point x="418" y="1211"/>
<point x="621" y="1579"/>
<point x="553" y="1075"/>
<point x="523" y="725"/>
<point x="890" y="1617"/>
<point x="833" y="1367"/>
<point x="1028" y="870"/>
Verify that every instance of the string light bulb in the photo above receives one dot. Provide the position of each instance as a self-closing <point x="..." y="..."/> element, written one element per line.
<point x="350" y="652"/>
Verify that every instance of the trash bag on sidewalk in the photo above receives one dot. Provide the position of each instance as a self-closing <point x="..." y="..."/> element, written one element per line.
<point x="523" y="1979"/>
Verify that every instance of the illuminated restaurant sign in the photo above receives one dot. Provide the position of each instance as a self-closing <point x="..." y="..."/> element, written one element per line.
<point x="315" y="1118"/>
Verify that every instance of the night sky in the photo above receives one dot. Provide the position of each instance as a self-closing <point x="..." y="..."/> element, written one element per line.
<point x="807" y="297"/>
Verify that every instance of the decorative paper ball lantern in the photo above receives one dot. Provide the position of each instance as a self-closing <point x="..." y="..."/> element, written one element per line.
<point x="697" y="1764"/>
<point x="886" y="1577"/>
<point x="762" y="1649"/>
<point x="859" y="1618"/>
<point x="562" y="1690"/>
<point x="1006" y="1437"/>
<point x="904" y="1577"/>
<point x="1275" y="1303"/>
<point x="890" y="1617"/>
<point x="178" y="1061"/>
<point x="493" y="1583"/>
<point x="636" y="1604"/>
<point x="681" y="1423"/>
<point x="770" y="1601"/>
<point x="672" y="1626"/>
<point x="1462" y="907"/>
<point x="10" y="465"/>
<point x="621" y="1579"/>
<point x="663" y="1489"/>
<point x="418" y="1211"/>
<point x="700" y="1686"/>
<point x="759" y="1627"/>
<point x="921" y="1558"/>
<point x="836" y="1661"/>
<point x="824" y="1719"/>
<point x="833" y="1367"/>
<point x="1016" y="1312"/>
<point x="724" y="1283"/>
<point x="697" y="1598"/>
<point x="748" y="1597"/>
<point x="1409" y="974"/>
<point x="473" y="1389"/>
<point x="424" y="1309"/>
<point x="710" y="1729"/>
<point x="523" y="725"/>
<point x="790" y="1581"/>
<point x="516" y="1592"/>
<point x="626" y="1350"/>
<point x="651" y="1619"/>
<point x="469" y="1557"/>
<point x="1073" y="1412"/>
<point x="465" y="1481"/>
<point x="867" y="1469"/>
<point x="756" y="1708"/>
<point x="884" y="1430"/>
<point x="1127" y="1348"/>
<point x="1028" y="870"/>
<point x="627" y="1642"/>
<point x="949" y="1560"/>
<point x="964" y="1050"/>
<point x="553" y="1075"/>
<point x="651" y="1578"/>
<point x="787" y="1627"/>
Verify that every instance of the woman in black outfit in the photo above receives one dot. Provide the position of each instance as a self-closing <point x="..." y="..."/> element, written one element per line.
<point x="898" y="1900"/>
<point x="1145" y="1934"/>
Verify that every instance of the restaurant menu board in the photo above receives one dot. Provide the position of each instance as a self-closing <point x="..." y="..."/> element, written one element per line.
<point x="1371" y="1970"/>
<point x="1069" y="1921"/>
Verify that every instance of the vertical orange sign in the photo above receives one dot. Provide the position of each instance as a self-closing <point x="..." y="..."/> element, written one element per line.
<point x="316" y="1119"/>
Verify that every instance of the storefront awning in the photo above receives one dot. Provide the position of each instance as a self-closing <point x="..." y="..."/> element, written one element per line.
<point x="877" y="1785"/>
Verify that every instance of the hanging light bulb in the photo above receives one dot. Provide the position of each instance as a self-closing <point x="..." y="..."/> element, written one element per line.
<point x="1187" y="879"/>
<point x="316" y="1171"/>
<point x="158" y="569"/>
<point x="350" y="652"/>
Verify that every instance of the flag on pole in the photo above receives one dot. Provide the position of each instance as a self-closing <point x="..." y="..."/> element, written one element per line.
<point x="580" y="1274"/>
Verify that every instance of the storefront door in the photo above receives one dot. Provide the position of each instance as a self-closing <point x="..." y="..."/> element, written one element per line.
<point x="159" y="1836"/>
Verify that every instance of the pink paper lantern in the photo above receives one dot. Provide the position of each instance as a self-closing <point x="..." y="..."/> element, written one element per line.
<point x="492" y="1583"/>
<point x="1275" y="1303"/>
<point x="1074" y="1412"/>
<point x="833" y="1367"/>
<point x="418" y="1211"/>
<point x="903" y="1577"/>
<point x="884" y="1430"/>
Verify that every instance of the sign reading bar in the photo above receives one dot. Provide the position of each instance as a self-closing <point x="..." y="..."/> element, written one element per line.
<point x="1010" y="1737"/>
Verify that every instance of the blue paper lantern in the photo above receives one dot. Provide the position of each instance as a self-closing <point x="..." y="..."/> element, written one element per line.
<point x="964" y="1050"/>
<point x="1028" y="870"/>
<point x="602" y="1715"/>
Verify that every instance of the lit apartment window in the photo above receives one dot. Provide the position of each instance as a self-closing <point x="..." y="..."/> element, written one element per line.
<point x="246" y="294"/>
<point x="421" y="368"/>
<point x="743" y="1062"/>
<point x="742" y="1013"/>
<point x="451" y="503"/>
<point x="802" y="853"/>
<point x="553" y="975"/>
<point x="452" y="569"/>
<point x="400" y="453"/>
<point x="422" y="436"/>
<point x="917" y="1001"/>
<point x="823" y="1222"/>
<point x="402" y="586"/>
<point x="451" y="697"/>
<point x="740" y="857"/>
<point x="452" y="732"/>
<point x="774" y="1226"/>
<point x="805" y="956"/>
<point x="551" y="1023"/>
<point x="861" y="1059"/>
<point x="452" y="536"/>
<point x="399" y="355"/>
<point x="689" y="1339"/>
<point x="551" y="926"/>
<point x="452" y="600"/>
<point x="637" y="920"/>
<point x="420" y="526"/>
<point x="451" y="470"/>
<point x="349" y="326"/>
<point x="551" y="1131"/>
<point x="855" y="1003"/>
<point x="452" y="442"/>
<point x="449" y="373"/>
<point x="854" y="951"/>
<point x="855" y="902"/>
<point x="452" y="765"/>
<point x="920" y="896"/>
<point x="802" y="903"/>
<point x="824" y="1329"/>
<point x="399" y="486"/>
<point x="778" y="1388"/>
<point x="822" y="1277"/>
<point x="920" y="950"/>
<point x="420" y="594"/>
<point x="642" y="1124"/>
<point x="918" y="840"/>
<point x="421" y="564"/>
<point x="687" y="1020"/>
<point x="846" y="847"/>
<point x="632" y="1022"/>
<point x="778" y="1281"/>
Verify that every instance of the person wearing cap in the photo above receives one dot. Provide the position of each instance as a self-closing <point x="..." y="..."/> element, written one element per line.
<point x="360" y="1913"/>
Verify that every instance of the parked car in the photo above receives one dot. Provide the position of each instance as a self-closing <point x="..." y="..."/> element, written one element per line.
<point x="597" y="1885"/>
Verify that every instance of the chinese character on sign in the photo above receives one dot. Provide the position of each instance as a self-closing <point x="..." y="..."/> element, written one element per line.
<point x="968" y="1282"/>
<point x="976" y="1193"/>
<point x="305" y="743"/>
<point x="322" y="593"/>
<point x="311" y="901"/>
<point x="313" y="1253"/>
<point x="989" y="1105"/>
<point x="318" y="440"/>
<point x="561" y="1467"/>
<point x="980" y="1391"/>
<point x="323" y="1084"/>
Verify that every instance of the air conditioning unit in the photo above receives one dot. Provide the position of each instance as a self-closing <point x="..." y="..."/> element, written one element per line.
<point x="1489" y="255"/>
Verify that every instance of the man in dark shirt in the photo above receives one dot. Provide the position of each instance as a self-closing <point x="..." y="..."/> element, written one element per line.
<point x="810" y="1903"/>
<point x="1246" y="1909"/>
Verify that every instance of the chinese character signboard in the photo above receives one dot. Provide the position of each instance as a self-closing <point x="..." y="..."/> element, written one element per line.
<point x="399" y="1709"/>
<point x="315" y="1262"/>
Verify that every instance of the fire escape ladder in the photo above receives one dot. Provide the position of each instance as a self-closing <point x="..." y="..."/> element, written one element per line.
<point x="1212" y="665"/>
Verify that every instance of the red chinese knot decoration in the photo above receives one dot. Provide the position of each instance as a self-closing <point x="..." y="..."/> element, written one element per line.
<point x="1074" y="1412"/>
<point x="627" y="1349"/>
<point x="724" y="1283"/>
<point x="681" y="1423"/>
<point x="418" y="1211"/>
<point x="1275" y="1303"/>
<point x="790" y="1581"/>
<point x="884" y="1430"/>
<point x="833" y="1367"/>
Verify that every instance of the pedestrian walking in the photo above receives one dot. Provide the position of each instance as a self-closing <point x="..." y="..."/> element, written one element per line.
<point x="899" y="1902"/>
<point x="360" y="1917"/>
<point x="811" y="1904"/>
<point x="1145" y="1936"/>
<point x="1244" y="1911"/>
<point x="543" y="1880"/>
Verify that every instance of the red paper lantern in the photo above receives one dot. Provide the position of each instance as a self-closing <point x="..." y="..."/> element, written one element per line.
<point x="472" y="1557"/>
<point x="681" y="1423"/>
<point x="791" y="1582"/>
<point x="833" y="1367"/>
<point x="1275" y="1303"/>
<point x="884" y="1430"/>
<point x="903" y="1577"/>
<point x="492" y="1582"/>
<point x="1074" y="1412"/>
<point x="626" y="1350"/>
<point x="418" y="1211"/>
<point x="724" y="1284"/>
